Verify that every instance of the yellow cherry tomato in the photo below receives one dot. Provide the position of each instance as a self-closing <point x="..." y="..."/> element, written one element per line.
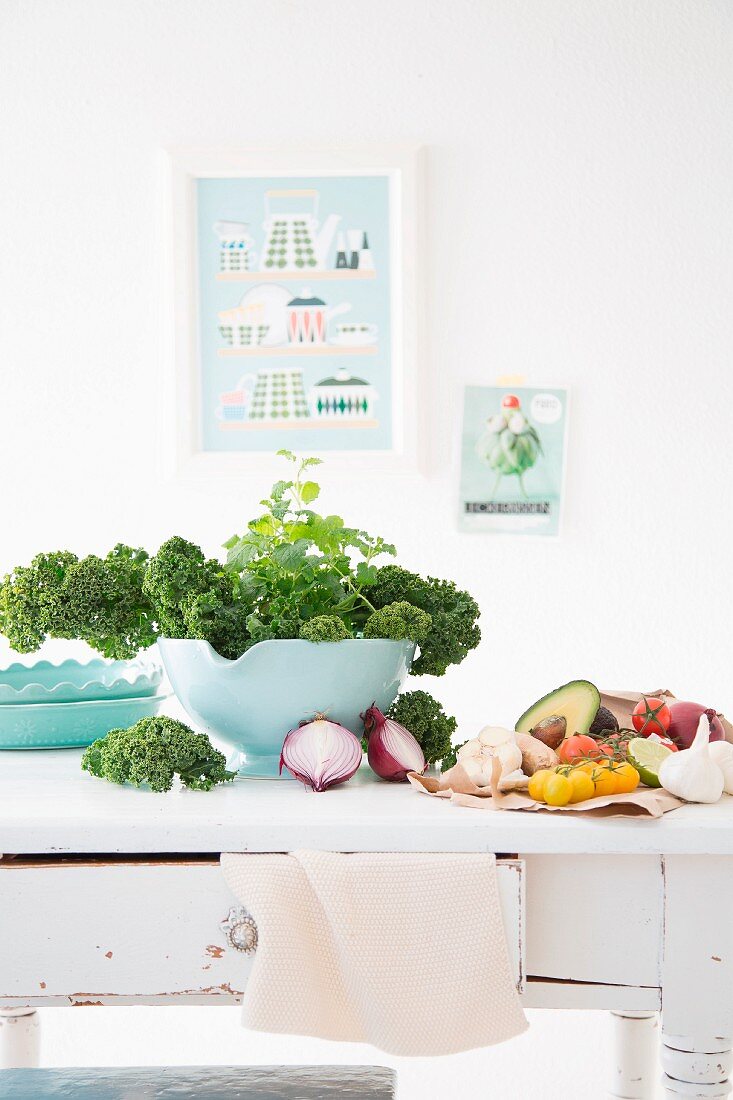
<point x="582" y="785"/>
<point x="536" y="786"/>
<point x="558" y="790"/>
<point x="604" y="779"/>
<point x="588" y="766"/>
<point x="627" y="778"/>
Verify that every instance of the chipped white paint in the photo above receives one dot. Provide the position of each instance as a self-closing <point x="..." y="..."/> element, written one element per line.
<point x="119" y="929"/>
<point x="141" y="930"/>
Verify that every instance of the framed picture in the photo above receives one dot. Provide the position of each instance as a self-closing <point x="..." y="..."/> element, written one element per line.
<point x="513" y="444"/>
<point x="292" y="282"/>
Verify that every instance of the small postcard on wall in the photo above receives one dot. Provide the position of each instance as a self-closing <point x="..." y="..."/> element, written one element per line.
<point x="512" y="459"/>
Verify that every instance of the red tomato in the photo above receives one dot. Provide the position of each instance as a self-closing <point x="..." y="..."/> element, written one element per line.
<point x="651" y="716"/>
<point x="580" y="746"/>
<point x="510" y="402"/>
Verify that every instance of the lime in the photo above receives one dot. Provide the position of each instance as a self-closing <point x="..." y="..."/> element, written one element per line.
<point x="647" y="757"/>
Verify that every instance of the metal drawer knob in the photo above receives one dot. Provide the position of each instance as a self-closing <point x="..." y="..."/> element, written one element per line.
<point x="240" y="930"/>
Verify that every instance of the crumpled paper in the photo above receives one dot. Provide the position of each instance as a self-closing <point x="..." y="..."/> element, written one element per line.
<point x="456" y="786"/>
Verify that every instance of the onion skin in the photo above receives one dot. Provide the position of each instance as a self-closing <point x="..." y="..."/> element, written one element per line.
<point x="684" y="721"/>
<point x="321" y="753"/>
<point x="392" y="751"/>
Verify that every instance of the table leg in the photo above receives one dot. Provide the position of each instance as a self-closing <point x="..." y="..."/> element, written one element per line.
<point x="634" y="1074"/>
<point x="19" y="1038"/>
<point x="697" y="977"/>
<point x="696" y="1066"/>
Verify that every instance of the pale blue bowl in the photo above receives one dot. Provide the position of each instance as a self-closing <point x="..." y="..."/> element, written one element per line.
<point x="252" y="703"/>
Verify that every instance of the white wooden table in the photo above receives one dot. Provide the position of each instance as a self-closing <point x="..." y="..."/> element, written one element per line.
<point x="113" y="896"/>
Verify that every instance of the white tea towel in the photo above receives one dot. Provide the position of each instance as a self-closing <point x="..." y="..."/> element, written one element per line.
<point x="402" y="950"/>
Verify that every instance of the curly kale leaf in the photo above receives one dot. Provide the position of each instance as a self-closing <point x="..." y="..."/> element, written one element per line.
<point x="426" y="720"/>
<point x="400" y="621"/>
<point x="219" y="621"/>
<point x="31" y="600"/>
<point x="179" y="571"/>
<point x="154" y="751"/>
<point x="453" y="631"/>
<point x="324" y="628"/>
<point x="194" y="597"/>
<point x="99" y="600"/>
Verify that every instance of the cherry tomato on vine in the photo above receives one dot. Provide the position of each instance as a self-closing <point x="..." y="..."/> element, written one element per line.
<point x="651" y="716"/>
<point x="581" y="745"/>
<point x="627" y="778"/>
<point x="604" y="777"/>
<point x="558" y="790"/>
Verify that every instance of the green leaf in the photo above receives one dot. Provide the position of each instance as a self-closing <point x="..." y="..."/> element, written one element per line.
<point x="311" y="462"/>
<point x="231" y="542"/>
<point x="240" y="555"/>
<point x="284" y="453"/>
<point x="279" y="489"/>
<point x="265" y="525"/>
<point x="309" y="491"/>
<point x="366" y="574"/>
<point x="290" y="555"/>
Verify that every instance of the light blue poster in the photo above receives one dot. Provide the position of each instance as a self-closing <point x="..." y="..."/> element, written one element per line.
<point x="512" y="459"/>
<point x="295" y="327"/>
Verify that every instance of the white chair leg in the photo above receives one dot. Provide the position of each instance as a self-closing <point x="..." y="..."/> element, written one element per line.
<point x="635" y="1052"/>
<point x="696" y="1066"/>
<point x="19" y="1038"/>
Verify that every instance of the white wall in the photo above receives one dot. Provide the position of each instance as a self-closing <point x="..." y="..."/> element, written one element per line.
<point x="580" y="223"/>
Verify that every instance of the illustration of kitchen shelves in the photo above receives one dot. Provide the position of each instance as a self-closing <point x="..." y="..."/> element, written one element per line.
<point x="346" y="274"/>
<point x="300" y="349"/>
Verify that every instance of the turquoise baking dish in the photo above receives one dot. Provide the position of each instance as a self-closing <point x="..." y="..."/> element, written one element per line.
<point x="70" y="725"/>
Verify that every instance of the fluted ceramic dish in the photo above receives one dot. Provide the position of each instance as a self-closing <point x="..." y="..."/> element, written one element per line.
<point x="70" y="725"/>
<point x="78" y="682"/>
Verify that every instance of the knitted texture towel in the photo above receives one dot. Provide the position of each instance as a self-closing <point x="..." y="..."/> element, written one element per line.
<point x="404" y="951"/>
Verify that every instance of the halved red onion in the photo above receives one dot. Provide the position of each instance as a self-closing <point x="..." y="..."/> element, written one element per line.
<point x="392" y="751"/>
<point x="321" y="753"/>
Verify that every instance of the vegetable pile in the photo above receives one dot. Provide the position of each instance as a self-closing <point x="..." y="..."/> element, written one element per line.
<point x="292" y="574"/>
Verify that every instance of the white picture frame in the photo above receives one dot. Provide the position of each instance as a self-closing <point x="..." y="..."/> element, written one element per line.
<point x="184" y="455"/>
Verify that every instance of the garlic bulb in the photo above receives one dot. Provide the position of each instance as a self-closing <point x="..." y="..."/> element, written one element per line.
<point x="722" y="753"/>
<point x="692" y="774"/>
<point x="476" y="756"/>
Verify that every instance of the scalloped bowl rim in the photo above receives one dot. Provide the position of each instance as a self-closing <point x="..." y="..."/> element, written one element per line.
<point x="153" y="676"/>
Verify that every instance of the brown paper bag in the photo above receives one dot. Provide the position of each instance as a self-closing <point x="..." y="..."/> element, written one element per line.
<point x="621" y="705"/>
<point x="456" y="786"/>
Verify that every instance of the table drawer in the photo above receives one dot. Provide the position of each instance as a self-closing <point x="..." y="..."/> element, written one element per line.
<point x="595" y="918"/>
<point x="105" y="931"/>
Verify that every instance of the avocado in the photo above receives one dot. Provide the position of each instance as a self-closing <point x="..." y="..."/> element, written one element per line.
<point x="604" y="722"/>
<point x="576" y="702"/>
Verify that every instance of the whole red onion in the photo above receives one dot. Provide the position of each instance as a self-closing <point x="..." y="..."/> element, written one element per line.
<point x="392" y="750"/>
<point x="685" y="718"/>
<point x="321" y="753"/>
